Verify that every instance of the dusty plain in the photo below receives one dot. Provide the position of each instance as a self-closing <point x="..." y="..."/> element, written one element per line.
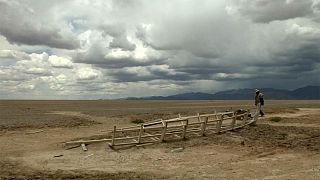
<point x="32" y="136"/>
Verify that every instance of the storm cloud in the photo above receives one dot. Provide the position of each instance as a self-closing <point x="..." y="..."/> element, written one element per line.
<point x="118" y="48"/>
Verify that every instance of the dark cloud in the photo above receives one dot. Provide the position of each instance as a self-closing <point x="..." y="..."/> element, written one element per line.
<point x="122" y="43"/>
<point x="264" y="11"/>
<point x="20" y="26"/>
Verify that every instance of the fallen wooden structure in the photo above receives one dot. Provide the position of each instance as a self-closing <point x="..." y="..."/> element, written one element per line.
<point x="176" y="128"/>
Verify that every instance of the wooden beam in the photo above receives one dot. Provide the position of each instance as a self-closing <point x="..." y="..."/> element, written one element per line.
<point x="113" y="135"/>
<point x="234" y="120"/>
<point x="86" y="141"/>
<point x="245" y="118"/>
<point x="140" y="133"/>
<point x="163" y="131"/>
<point x="184" y="130"/>
<point x="219" y="123"/>
<point x="84" y="148"/>
<point x="203" y="126"/>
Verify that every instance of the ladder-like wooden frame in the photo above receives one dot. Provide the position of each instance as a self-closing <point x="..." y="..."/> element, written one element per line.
<point x="181" y="127"/>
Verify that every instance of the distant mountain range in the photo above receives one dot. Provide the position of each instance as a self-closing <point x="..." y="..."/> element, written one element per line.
<point x="307" y="92"/>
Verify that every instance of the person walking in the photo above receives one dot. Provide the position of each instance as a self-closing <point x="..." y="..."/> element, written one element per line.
<point x="258" y="102"/>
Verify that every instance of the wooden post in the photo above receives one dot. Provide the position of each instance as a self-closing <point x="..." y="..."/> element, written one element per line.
<point x="140" y="133"/>
<point x="185" y="129"/>
<point x="245" y="118"/>
<point x="234" y="120"/>
<point x="203" y="126"/>
<point x="114" y="135"/>
<point x="84" y="148"/>
<point x="164" y="130"/>
<point x="219" y="123"/>
<point x="199" y="118"/>
<point x="215" y="112"/>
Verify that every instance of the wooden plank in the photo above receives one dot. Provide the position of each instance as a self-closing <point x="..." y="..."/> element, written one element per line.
<point x="153" y="137"/>
<point x="176" y="135"/>
<point x="175" y="126"/>
<point x="114" y="135"/>
<point x="207" y="115"/>
<point x="153" y="128"/>
<point x="140" y="133"/>
<point x="184" y="131"/>
<point x="233" y="120"/>
<point x="163" y="131"/>
<point x="122" y="144"/>
<point x="152" y="123"/>
<point x="87" y="141"/>
<point x="204" y="126"/>
<point x="84" y="148"/>
<point x="219" y="123"/>
<point x="199" y="118"/>
<point x="245" y="118"/>
<point x="34" y="132"/>
<point x="176" y="120"/>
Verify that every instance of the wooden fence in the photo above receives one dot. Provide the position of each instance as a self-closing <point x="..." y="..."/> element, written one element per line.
<point x="176" y="128"/>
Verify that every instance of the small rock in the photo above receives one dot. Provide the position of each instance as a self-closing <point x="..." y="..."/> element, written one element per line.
<point x="177" y="150"/>
<point x="60" y="155"/>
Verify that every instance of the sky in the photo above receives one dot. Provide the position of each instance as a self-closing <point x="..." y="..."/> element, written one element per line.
<point x="106" y="49"/>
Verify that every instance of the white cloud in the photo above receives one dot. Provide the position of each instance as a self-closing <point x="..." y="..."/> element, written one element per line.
<point x="303" y="30"/>
<point x="36" y="71"/>
<point x="60" y="62"/>
<point x="14" y="54"/>
<point x="25" y="87"/>
<point x="87" y="73"/>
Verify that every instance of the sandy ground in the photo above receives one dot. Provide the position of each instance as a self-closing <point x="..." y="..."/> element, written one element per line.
<point x="289" y="149"/>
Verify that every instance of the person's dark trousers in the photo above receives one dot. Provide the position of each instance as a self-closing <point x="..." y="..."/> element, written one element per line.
<point x="261" y="113"/>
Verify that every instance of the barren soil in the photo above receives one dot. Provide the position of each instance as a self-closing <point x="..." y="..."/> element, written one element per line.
<point x="32" y="136"/>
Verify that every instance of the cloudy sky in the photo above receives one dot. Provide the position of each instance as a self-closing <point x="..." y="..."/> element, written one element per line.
<point x="90" y="49"/>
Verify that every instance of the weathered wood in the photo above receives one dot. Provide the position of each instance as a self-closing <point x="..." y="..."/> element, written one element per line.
<point x="184" y="131"/>
<point x="153" y="137"/>
<point x="179" y="127"/>
<point x="86" y="141"/>
<point x="140" y="133"/>
<point x="219" y="123"/>
<point x="122" y="144"/>
<point x="114" y="135"/>
<point x="234" y="120"/>
<point x="245" y="118"/>
<point x="84" y="148"/>
<point x="163" y="131"/>
<point x="34" y="132"/>
<point x="203" y="126"/>
<point x="152" y="123"/>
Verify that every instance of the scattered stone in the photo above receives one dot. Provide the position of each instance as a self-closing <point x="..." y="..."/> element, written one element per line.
<point x="177" y="150"/>
<point x="60" y="155"/>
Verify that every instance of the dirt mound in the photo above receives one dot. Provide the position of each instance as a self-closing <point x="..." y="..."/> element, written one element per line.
<point x="267" y="136"/>
<point x="47" y="121"/>
<point x="14" y="170"/>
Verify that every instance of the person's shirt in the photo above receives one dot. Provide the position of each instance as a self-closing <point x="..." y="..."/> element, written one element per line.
<point x="258" y="98"/>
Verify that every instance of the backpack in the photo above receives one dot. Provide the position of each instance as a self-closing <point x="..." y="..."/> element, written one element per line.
<point x="261" y="100"/>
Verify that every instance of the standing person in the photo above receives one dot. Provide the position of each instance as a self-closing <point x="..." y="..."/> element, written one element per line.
<point x="261" y="100"/>
<point x="258" y="102"/>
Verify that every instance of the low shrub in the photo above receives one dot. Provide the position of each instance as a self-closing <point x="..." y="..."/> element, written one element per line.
<point x="137" y="121"/>
<point x="275" y="119"/>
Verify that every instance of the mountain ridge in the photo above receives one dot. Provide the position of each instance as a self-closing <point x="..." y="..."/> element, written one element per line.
<point x="304" y="93"/>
